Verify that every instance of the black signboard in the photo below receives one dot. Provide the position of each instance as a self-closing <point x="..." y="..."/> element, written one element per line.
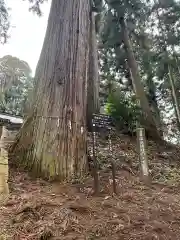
<point x="102" y="121"/>
<point x="3" y="121"/>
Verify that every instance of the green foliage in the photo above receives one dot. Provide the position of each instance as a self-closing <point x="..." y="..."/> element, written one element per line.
<point x="15" y="84"/>
<point x="35" y="6"/>
<point x="16" y="96"/>
<point x="4" y="22"/>
<point x="123" y="109"/>
<point x="154" y="32"/>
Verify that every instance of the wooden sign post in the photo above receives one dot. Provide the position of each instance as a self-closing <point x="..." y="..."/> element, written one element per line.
<point x="105" y="122"/>
<point x="95" y="164"/>
<point x="141" y="140"/>
<point x="112" y="164"/>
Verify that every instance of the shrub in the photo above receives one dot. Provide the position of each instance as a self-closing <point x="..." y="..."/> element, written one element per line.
<point x="124" y="110"/>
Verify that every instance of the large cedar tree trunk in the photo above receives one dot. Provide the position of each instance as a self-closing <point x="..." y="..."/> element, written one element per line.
<point x="93" y="80"/>
<point x="149" y="121"/>
<point x="52" y="141"/>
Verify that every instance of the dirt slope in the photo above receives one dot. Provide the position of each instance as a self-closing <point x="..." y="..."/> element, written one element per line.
<point x="39" y="210"/>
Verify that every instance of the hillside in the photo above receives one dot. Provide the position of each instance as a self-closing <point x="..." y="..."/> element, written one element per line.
<point x="40" y="210"/>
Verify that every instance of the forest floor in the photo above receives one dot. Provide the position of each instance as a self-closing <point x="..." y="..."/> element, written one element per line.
<point x="40" y="210"/>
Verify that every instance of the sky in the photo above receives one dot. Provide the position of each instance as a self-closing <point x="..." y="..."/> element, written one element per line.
<point x="27" y="32"/>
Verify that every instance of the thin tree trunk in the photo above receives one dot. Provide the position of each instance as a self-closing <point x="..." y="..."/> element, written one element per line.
<point x="174" y="96"/>
<point x="153" y="103"/>
<point x="93" y="105"/>
<point x="151" y="85"/>
<point x="175" y="112"/>
<point x="171" y="76"/>
<point x="52" y="141"/>
<point x="149" y="120"/>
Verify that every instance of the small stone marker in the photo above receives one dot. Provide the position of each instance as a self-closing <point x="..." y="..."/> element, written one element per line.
<point x="141" y="140"/>
<point x="9" y="126"/>
<point x="4" y="188"/>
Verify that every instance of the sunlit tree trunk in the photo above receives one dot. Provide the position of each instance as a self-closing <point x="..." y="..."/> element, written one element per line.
<point x="149" y="121"/>
<point x="52" y="141"/>
<point x="93" y="80"/>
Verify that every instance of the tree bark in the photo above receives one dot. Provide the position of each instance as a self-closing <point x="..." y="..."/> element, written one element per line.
<point x="93" y="105"/>
<point x="152" y="98"/>
<point x="153" y="103"/>
<point x="52" y="141"/>
<point x="174" y="97"/>
<point x="148" y="119"/>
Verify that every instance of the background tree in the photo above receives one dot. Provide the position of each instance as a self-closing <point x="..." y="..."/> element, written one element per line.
<point x="164" y="25"/>
<point x="152" y="27"/>
<point x="122" y="19"/>
<point x="34" y="5"/>
<point x="15" y="83"/>
<point x="4" y="22"/>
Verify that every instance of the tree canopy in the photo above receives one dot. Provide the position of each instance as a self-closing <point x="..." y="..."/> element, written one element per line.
<point x="15" y="83"/>
<point x="34" y="6"/>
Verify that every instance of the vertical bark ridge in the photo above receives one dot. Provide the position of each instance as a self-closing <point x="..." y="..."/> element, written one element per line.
<point x="58" y="150"/>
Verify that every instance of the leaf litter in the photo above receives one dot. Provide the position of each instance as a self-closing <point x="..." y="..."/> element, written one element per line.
<point x="36" y="209"/>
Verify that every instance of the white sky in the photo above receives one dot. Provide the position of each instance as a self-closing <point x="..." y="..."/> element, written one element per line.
<point x="27" y="32"/>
